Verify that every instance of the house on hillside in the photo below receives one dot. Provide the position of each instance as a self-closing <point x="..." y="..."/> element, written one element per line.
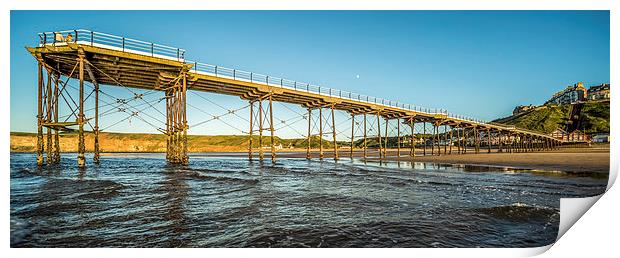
<point x="559" y="134"/>
<point x="599" y="92"/>
<point x="571" y="94"/>
<point x="522" y="108"/>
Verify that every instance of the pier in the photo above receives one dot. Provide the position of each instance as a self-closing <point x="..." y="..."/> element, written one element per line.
<point x="104" y="59"/>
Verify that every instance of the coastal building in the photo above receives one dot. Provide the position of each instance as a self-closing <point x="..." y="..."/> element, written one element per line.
<point x="559" y="134"/>
<point x="578" y="136"/>
<point x="571" y="94"/>
<point x="521" y="109"/>
<point x="600" y="137"/>
<point x="599" y="92"/>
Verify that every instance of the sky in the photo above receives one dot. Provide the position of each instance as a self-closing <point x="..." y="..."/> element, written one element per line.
<point x="475" y="63"/>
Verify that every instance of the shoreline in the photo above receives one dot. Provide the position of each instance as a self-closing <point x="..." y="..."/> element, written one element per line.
<point x="570" y="160"/>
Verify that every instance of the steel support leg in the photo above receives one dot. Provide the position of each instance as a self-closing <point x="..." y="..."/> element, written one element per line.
<point x="40" y="116"/>
<point x="309" y="133"/>
<point x="334" y="134"/>
<point x="56" y="133"/>
<point x="424" y="137"/>
<point x="261" y="153"/>
<point x="352" y="135"/>
<point x="451" y="138"/>
<point x="251" y="131"/>
<point x="398" y="137"/>
<point x="488" y="140"/>
<point x="387" y="136"/>
<point x="321" y="133"/>
<point x="81" y="147"/>
<point x="379" y="133"/>
<point x="412" y="125"/>
<point x="365" y="154"/>
<point x="96" y="154"/>
<point x="48" y="117"/>
<point x="273" y="148"/>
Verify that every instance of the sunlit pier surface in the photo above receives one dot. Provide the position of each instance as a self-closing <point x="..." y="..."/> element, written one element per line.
<point x="104" y="59"/>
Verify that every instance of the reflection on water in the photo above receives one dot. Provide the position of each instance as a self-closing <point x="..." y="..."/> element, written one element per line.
<point x="138" y="200"/>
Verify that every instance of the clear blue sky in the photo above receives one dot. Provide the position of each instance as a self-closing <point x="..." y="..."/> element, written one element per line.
<point x="478" y="63"/>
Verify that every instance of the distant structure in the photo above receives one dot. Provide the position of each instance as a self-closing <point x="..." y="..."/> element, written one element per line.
<point x="599" y="92"/>
<point x="523" y="108"/>
<point x="569" y="95"/>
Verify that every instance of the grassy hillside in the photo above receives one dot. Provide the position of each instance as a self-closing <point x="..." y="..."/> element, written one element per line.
<point x="135" y="142"/>
<point x="593" y="118"/>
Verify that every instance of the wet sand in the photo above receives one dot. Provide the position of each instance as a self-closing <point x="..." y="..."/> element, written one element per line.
<point x="581" y="160"/>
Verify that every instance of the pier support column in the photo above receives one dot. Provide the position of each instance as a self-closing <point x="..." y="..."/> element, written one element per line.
<point x="398" y="137"/>
<point x="488" y="140"/>
<point x="176" y="118"/>
<point x="458" y="140"/>
<point x="412" y="125"/>
<point x="321" y="133"/>
<point x="48" y="117"/>
<point x="96" y="154"/>
<point x="477" y="140"/>
<point x="56" y="133"/>
<point x="434" y="142"/>
<point x="365" y="154"/>
<point x="445" y="140"/>
<point x="424" y="138"/>
<point x="387" y="136"/>
<point x="251" y="131"/>
<point x="352" y="135"/>
<point x="271" y="130"/>
<point x="334" y="134"/>
<point x="40" y="116"/>
<point x="309" y="133"/>
<point x="379" y="134"/>
<point x="451" y="139"/>
<point x="261" y="152"/>
<point x="81" y="147"/>
<point x="499" y="141"/>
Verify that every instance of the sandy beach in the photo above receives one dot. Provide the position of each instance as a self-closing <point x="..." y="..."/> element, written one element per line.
<point x="581" y="160"/>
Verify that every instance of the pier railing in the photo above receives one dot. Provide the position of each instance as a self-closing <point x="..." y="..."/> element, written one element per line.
<point x="98" y="39"/>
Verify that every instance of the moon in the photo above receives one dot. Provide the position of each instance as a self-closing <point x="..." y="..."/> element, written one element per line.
<point x="357" y="76"/>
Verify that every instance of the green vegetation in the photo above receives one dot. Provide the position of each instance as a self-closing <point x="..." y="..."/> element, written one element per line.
<point x="593" y="118"/>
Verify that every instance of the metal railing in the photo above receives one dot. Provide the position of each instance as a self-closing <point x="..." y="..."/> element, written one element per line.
<point x="98" y="39"/>
<point x="240" y="75"/>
